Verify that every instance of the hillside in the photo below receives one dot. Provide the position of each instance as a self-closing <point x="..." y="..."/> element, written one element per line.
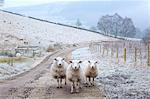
<point x="45" y="33"/>
<point x="88" y="11"/>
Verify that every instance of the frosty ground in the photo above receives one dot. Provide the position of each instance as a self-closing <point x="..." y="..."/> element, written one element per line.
<point x="38" y="83"/>
<point x="7" y="71"/>
<point x="121" y="81"/>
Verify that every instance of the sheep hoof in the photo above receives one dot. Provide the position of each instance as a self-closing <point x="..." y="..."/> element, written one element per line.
<point x="86" y="84"/>
<point x="60" y="86"/>
<point x="71" y="92"/>
<point x="89" y="85"/>
<point x="65" y="83"/>
<point x="80" y="87"/>
<point x="77" y="91"/>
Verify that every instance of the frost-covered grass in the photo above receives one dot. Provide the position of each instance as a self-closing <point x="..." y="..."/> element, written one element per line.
<point x="14" y="59"/>
<point x="46" y="33"/>
<point x="18" y="67"/>
<point x="119" y="81"/>
<point x="7" y="70"/>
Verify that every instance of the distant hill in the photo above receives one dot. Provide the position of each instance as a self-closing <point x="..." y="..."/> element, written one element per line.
<point x="89" y="11"/>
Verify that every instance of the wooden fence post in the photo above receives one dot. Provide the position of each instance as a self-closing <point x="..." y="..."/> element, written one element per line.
<point x="112" y="54"/>
<point x="103" y="51"/>
<point x="107" y="51"/>
<point x="135" y="56"/>
<point x="148" y="57"/>
<point x="100" y="48"/>
<point x="141" y="55"/>
<point x="117" y="54"/>
<point x="125" y="56"/>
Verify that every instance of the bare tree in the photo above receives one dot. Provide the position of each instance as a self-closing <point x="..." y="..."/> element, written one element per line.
<point x="146" y="38"/>
<point x="128" y="28"/>
<point x="78" y="23"/>
<point x="104" y="24"/>
<point x="116" y="25"/>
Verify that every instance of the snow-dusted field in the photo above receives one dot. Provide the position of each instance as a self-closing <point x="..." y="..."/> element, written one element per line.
<point x="37" y="31"/>
<point x="7" y="71"/>
<point x="119" y="81"/>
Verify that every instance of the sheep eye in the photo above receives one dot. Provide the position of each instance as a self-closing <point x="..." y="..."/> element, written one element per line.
<point x="70" y="61"/>
<point x="89" y="61"/>
<point x="80" y="61"/>
<point x="96" y="62"/>
<point x="63" y="59"/>
<point x="55" y="59"/>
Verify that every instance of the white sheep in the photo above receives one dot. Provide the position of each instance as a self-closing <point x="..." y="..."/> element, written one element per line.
<point x="58" y="70"/>
<point x="90" y="72"/>
<point x="73" y="74"/>
<point x="18" y="55"/>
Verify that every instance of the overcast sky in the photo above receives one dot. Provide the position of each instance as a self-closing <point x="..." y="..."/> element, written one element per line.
<point x="12" y="3"/>
<point x="16" y="3"/>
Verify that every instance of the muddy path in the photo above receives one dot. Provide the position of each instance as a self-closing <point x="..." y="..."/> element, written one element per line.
<point x="38" y="84"/>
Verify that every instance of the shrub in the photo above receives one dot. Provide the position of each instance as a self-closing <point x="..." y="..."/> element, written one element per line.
<point x="50" y="48"/>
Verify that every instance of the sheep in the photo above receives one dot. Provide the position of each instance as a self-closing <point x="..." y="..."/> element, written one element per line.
<point x="90" y="72"/>
<point x="18" y="55"/>
<point x="58" y="70"/>
<point x="73" y="74"/>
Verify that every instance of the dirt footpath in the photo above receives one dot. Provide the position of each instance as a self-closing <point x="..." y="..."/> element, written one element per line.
<point x="38" y="84"/>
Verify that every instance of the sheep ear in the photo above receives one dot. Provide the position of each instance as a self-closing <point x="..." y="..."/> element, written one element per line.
<point x="80" y="61"/>
<point x="89" y="61"/>
<point x="70" y="61"/>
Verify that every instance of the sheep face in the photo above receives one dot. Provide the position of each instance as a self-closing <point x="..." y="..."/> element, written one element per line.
<point x="75" y="65"/>
<point x="92" y="64"/>
<point x="59" y="61"/>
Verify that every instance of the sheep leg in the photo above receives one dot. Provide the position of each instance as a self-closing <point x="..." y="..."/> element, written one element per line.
<point x="80" y="86"/>
<point x="89" y="81"/>
<point x="86" y="81"/>
<point x="65" y="81"/>
<point x="72" y="87"/>
<point x="77" y="87"/>
<point x="60" y="82"/>
<point x="93" y="81"/>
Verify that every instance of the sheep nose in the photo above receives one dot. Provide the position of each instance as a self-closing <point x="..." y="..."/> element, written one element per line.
<point x="75" y="67"/>
<point x="92" y="66"/>
<point x="59" y="64"/>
